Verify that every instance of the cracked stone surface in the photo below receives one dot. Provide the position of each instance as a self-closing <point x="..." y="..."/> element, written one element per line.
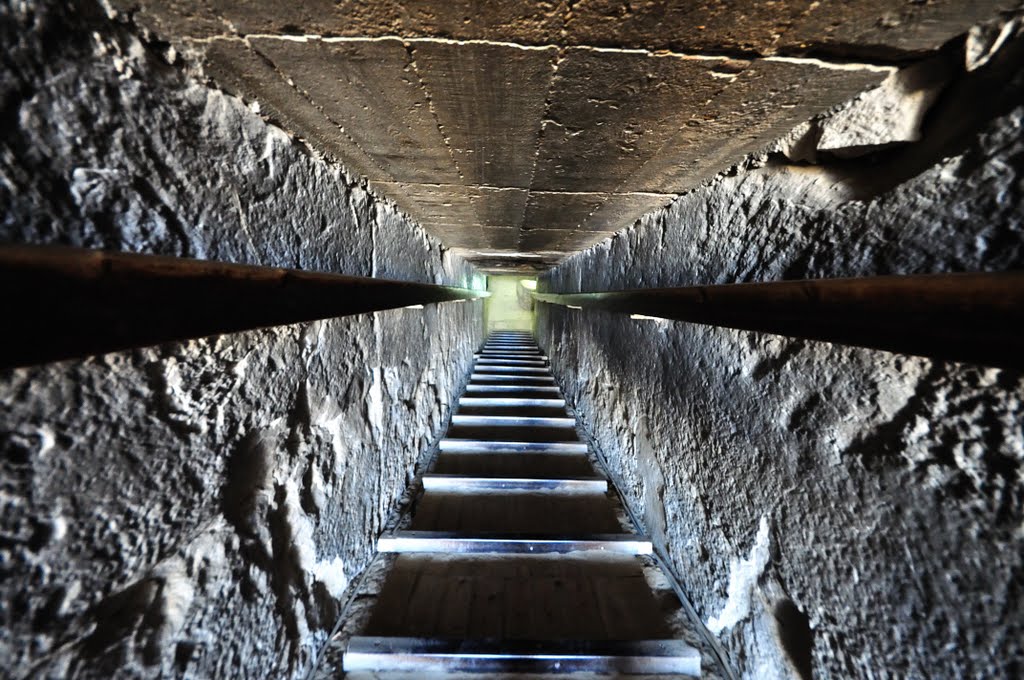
<point x="554" y="99"/>
<point x="198" y="509"/>
<point x="831" y="510"/>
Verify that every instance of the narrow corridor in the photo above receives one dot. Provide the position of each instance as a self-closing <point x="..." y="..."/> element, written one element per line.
<point x="518" y="557"/>
<point x="770" y="256"/>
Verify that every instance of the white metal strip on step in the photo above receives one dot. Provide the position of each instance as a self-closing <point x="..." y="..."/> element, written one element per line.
<point x="517" y="370"/>
<point x="512" y="421"/>
<point x="516" y="343"/>
<point x="511" y="402"/>
<point x="535" y="356"/>
<point x="432" y="655"/>
<point x="504" y="361"/>
<point x="449" y="542"/>
<point x="494" y="377"/>
<point x="470" y="484"/>
<point x="486" y="446"/>
<point x="500" y="389"/>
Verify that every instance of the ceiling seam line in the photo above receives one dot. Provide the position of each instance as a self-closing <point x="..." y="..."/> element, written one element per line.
<point x="309" y="99"/>
<point x="556" y="61"/>
<point x="377" y="196"/>
<point x="411" y="52"/>
<point x="442" y="185"/>
<point x="724" y="55"/>
<point x="659" y="153"/>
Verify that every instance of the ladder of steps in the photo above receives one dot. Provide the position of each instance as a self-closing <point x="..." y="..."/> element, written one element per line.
<point x="516" y="560"/>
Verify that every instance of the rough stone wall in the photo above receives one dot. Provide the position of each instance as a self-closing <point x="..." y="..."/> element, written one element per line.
<point x="197" y="509"/>
<point x="831" y="510"/>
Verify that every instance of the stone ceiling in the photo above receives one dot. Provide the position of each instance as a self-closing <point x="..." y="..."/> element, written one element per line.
<point x="519" y="132"/>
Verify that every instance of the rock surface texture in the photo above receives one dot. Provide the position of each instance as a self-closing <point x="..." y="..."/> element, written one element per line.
<point x="833" y="511"/>
<point x="198" y="509"/>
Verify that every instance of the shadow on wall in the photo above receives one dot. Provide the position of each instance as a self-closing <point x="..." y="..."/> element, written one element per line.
<point x="510" y="306"/>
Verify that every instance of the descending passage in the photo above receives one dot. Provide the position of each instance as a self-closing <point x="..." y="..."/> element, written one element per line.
<point x="518" y="557"/>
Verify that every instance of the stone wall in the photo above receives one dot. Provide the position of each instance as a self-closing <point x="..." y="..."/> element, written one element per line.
<point x="831" y="510"/>
<point x="197" y="509"/>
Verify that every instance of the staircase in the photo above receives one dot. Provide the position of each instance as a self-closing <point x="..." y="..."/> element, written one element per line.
<point x="516" y="559"/>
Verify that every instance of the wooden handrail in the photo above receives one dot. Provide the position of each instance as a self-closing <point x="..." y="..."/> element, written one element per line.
<point x="976" y="318"/>
<point x="61" y="303"/>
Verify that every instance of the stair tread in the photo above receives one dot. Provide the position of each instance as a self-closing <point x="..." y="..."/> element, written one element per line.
<point x="512" y="378"/>
<point x="521" y="597"/>
<point x="539" y="465"/>
<point x="521" y="512"/>
<point x="470" y="483"/>
<point x="455" y="445"/>
<point x="511" y="401"/>
<point x="513" y="421"/>
<point x="495" y="656"/>
<point x="509" y="544"/>
<point x="512" y="370"/>
<point x="528" y="391"/>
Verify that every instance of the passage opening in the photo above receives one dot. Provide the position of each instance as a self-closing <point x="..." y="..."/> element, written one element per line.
<point x="510" y="306"/>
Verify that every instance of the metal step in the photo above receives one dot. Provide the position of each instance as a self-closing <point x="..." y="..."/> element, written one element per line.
<point x="516" y="370"/>
<point x="537" y="356"/>
<point x="525" y="465"/>
<point x="521" y="379"/>
<point x="457" y="483"/>
<point x="511" y="544"/>
<point x="427" y="655"/>
<point x="502" y="361"/>
<point x="504" y="389"/>
<point x="512" y="421"/>
<point x="499" y="402"/>
<point x="486" y="446"/>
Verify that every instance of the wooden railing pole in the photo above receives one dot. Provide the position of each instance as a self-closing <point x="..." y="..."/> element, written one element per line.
<point x="976" y="318"/>
<point x="60" y="303"/>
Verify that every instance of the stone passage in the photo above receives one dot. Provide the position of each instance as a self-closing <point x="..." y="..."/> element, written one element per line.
<point x="518" y="558"/>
